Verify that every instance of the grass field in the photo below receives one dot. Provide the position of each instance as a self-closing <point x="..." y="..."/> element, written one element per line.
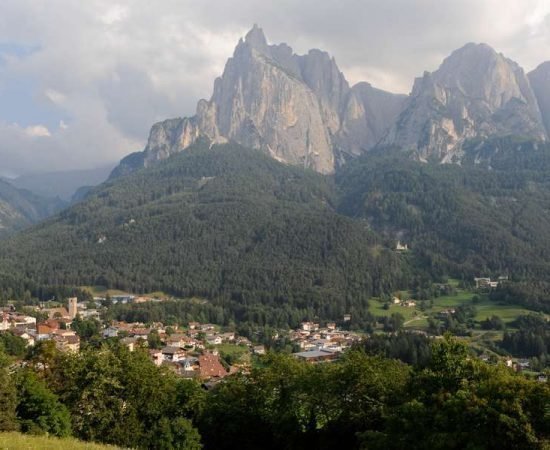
<point x="17" y="441"/>
<point x="237" y="352"/>
<point x="417" y="319"/>
<point x="98" y="291"/>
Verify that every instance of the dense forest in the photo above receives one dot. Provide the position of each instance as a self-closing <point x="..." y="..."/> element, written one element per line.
<point x="272" y="244"/>
<point x="447" y="400"/>
<point x="227" y="224"/>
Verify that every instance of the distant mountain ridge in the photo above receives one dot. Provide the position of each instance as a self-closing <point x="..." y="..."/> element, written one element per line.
<point x="20" y="208"/>
<point x="300" y="109"/>
<point x="62" y="184"/>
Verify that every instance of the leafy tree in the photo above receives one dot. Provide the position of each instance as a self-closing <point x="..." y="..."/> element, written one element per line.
<point x="8" y="396"/>
<point x="38" y="409"/>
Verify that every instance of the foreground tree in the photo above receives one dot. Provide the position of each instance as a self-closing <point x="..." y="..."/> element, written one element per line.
<point x="8" y="396"/>
<point x="38" y="409"/>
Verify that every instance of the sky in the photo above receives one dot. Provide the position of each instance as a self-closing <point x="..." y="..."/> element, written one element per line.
<point x="81" y="82"/>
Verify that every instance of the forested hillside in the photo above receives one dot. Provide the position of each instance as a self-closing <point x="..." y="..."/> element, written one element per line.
<point x="487" y="219"/>
<point x="271" y="243"/>
<point x="226" y="223"/>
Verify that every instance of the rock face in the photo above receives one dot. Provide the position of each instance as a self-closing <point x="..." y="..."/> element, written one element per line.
<point x="540" y="82"/>
<point x="475" y="93"/>
<point x="296" y="108"/>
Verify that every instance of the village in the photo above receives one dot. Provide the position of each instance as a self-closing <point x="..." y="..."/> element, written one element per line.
<point x="195" y="350"/>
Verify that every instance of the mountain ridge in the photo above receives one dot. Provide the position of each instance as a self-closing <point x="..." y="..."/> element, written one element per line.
<point x="475" y="93"/>
<point x="20" y="208"/>
<point x="299" y="109"/>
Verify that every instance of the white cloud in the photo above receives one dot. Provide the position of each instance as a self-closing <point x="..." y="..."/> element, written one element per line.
<point x="37" y="131"/>
<point x="110" y="69"/>
<point x="55" y="96"/>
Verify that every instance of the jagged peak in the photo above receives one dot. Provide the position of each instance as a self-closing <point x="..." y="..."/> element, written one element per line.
<point x="256" y="38"/>
<point x="473" y="56"/>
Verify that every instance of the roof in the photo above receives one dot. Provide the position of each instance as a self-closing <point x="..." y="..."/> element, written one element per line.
<point x="169" y="350"/>
<point x="316" y="354"/>
<point x="210" y="366"/>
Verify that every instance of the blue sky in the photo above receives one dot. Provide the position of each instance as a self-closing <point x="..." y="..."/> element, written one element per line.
<point x="82" y="82"/>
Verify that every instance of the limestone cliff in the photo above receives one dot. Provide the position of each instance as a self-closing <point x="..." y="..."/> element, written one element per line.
<point x="540" y="82"/>
<point x="476" y="93"/>
<point x="296" y="108"/>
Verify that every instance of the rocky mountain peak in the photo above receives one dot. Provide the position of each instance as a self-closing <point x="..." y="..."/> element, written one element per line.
<point x="299" y="109"/>
<point x="478" y="71"/>
<point x="475" y="93"/>
<point x="256" y="39"/>
<point x="540" y="82"/>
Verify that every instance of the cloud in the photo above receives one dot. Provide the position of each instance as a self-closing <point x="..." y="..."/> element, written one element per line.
<point x="37" y="131"/>
<point x="96" y="74"/>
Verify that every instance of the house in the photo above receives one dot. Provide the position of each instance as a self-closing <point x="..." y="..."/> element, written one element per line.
<point x="176" y="340"/>
<point x="317" y="356"/>
<point x="410" y="304"/>
<point x="258" y="350"/>
<point x="123" y="299"/>
<point x="228" y="337"/>
<point x="213" y="339"/>
<point x="310" y="326"/>
<point x="173" y="354"/>
<point x="43" y="332"/>
<point x="140" y="332"/>
<point x="64" y="333"/>
<point x="331" y="325"/>
<point x="5" y="324"/>
<point x="89" y="314"/>
<point x="29" y="338"/>
<point x="401" y="247"/>
<point x="211" y="367"/>
<point x="110" y="332"/>
<point x="20" y="320"/>
<point x="130" y="342"/>
<point x="524" y="364"/>
<point x="485" y="283"/>
<point x="194" y="325"/>
<point x="347" y="317"/>
<point x="156" y="356"/>
<point x="207" y="327"/>
<point x="67" y="343"/>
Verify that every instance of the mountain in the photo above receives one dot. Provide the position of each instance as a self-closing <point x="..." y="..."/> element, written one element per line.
<point x="20" y="208"/>
<point x="224" y="222"/>
<point x="475" y="93"/>
<point x="299" y="109"/>
<point x="540" y="82"/>
<point x="61" y="184"/>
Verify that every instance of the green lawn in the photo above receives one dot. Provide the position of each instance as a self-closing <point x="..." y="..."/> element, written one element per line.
<point x="237" y="352"/>
<point x="17" y="441"/>
<point x="377" y="308"/>
<point x="417" y="319"/>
